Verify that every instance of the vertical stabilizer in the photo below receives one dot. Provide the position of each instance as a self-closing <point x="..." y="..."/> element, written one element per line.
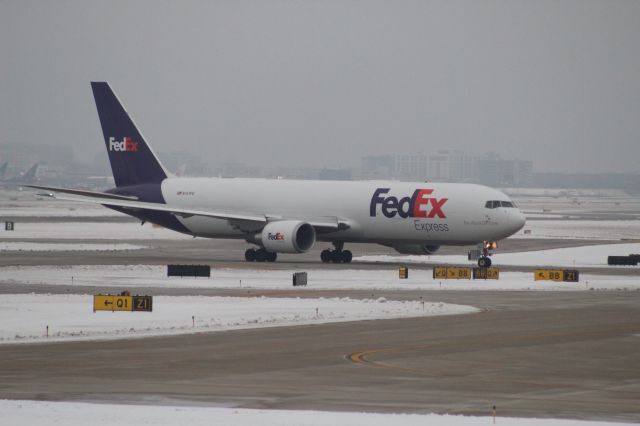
<point x="132" y="160"/>
<point x="31" y="174"/>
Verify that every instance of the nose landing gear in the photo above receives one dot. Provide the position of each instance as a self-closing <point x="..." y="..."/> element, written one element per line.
<point x="484" y="261"/>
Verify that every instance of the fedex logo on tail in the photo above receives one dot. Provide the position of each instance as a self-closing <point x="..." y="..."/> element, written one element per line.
<point x="419" y="204"/>
<point x="125" y="145"/>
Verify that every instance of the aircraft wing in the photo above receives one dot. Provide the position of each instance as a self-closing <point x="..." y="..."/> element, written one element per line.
<point x="81" y="192"/>
<point x="113" y="200"/>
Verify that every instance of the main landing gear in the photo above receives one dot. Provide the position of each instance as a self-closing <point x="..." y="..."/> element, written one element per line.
<point x="336" y="256"/>
<point x="259" y="255"/>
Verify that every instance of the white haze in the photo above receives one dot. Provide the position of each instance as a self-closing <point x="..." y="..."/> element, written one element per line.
<point x="318" y="84"/>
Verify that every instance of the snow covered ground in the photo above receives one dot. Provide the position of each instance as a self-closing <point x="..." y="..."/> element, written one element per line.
<point x="67" y="210"/>
<point x="549" y="227"/>
<point x="27" y="204"/>
<point x="25" y="317"/>
<point x="140" y="276"/>
<point x="24" y="246"/>
<point x="557" y="228"/>
<point x="585" y="256"/>
<point x="41" y="413"/>
<point x="91" y="230"/>
<point x="566" y="193"/>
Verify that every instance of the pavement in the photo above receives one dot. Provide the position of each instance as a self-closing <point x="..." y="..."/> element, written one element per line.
<point x="531" y="354"/>
<point x="230" y="254"/>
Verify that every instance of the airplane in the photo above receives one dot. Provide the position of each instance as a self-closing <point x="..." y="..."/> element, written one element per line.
<point x="290" y="216"/>
<point x="23" y="178"/>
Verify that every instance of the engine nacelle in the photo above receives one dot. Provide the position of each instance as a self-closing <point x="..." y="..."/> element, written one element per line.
<point x="415" y="248"/>
<point x="287" y="236"/>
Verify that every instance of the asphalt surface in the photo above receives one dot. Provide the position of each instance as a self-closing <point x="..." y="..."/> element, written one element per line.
<point x="230" y="254"/>
<point x="532" y="354"/>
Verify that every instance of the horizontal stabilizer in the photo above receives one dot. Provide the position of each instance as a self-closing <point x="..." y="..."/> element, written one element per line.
<point x="83" y="192"/>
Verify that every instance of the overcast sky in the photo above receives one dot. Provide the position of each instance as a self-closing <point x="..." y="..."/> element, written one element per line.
<point x="322" y="83"/>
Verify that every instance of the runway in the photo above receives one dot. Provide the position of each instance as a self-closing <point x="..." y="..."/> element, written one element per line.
<point x="530" y="354"/>
<point x="230" y="254"/>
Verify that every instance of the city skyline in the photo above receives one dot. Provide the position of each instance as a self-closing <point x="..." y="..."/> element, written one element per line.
<point x="442" y="165"/>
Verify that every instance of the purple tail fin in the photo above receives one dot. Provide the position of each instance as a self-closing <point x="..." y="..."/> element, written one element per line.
<point x="132" y="160"/>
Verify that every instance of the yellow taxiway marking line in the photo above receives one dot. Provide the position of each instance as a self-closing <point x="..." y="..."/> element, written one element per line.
<point x="360" y="358"/>
<point x="579" y="333"/>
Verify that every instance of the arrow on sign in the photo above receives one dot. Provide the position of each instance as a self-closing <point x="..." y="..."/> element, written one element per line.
<point x="107" y="303"/>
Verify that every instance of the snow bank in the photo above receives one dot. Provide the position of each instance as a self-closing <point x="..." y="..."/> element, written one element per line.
<point x="90" y="230"/>
<point x="579" y="229"/>
<point x="41" y="413"/>
<point x="553" y="227"/>
<point x="57" y="209"/>
<point x="140" y="276"/>
<point x="25" y="317"/>
<point x="585" y="256"/>
<point x="22" y="246"/>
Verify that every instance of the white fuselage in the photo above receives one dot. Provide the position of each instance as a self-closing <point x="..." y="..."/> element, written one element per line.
<point x="442" y="214"/>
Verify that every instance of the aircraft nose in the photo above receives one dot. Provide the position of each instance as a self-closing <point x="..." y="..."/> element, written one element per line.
<point x="518" y="221"/>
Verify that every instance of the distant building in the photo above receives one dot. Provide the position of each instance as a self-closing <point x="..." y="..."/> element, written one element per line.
<point x="400" y="166"/>
<point x="449" y="166"/>
<point x="524" y="173"/>
<point x="187" y="164"/>
<point x="452" y="165"/>
<point x="378" y="167"/>
<point x="495" y="171"/>
<point x="411" y="166"/>
<point x="334" y="174"/>
<point x="22" y="156"/>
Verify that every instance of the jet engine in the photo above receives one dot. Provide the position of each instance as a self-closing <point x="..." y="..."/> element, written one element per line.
<point x="287" y="236"/>
<point x="415" y="248"/>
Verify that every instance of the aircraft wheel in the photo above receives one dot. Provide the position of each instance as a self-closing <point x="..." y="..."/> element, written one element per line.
<point x="336" y="256"/>
<point x="260" y="255"/>
<point x="484" y="262"/>
<point x="325" y="256"/>
<point x="271" y="257"/>
<point x="347" y="256"/>
<point x="250" y="255"/>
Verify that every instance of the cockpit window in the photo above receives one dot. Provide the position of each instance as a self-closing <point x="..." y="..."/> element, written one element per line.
<point x="492" y="204"/>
